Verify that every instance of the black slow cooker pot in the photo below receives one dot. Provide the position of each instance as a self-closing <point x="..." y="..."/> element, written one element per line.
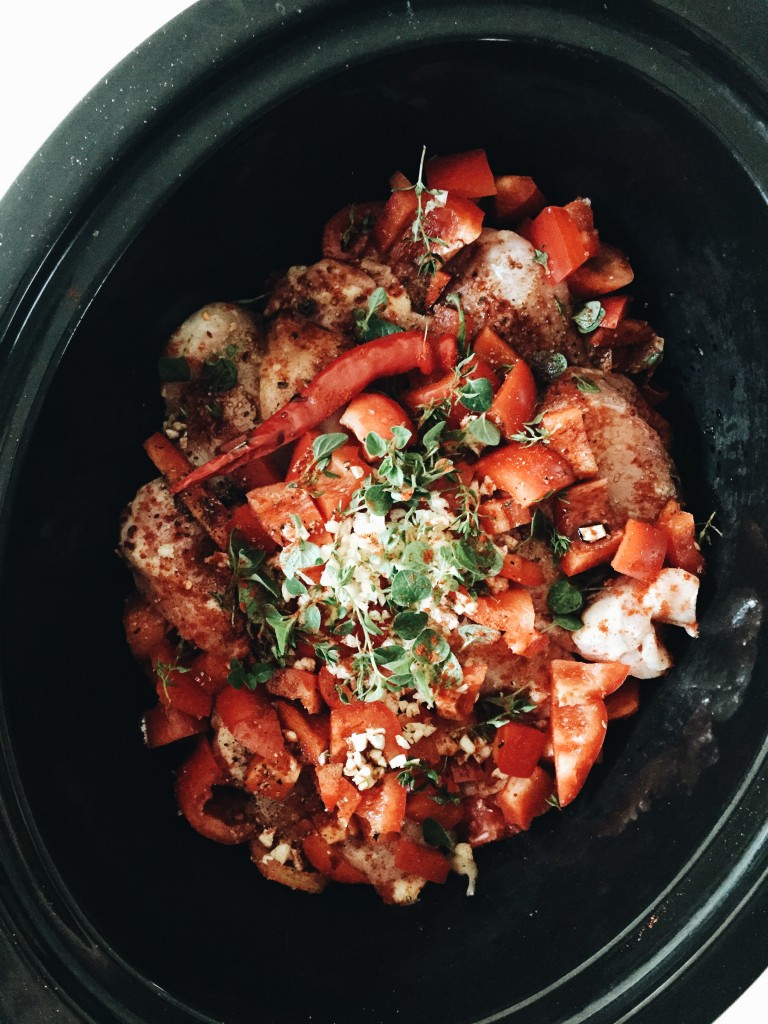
<point x="213" y="155"/>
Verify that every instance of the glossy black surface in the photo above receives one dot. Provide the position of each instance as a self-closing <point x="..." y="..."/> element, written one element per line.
<point x="625" y="902"/>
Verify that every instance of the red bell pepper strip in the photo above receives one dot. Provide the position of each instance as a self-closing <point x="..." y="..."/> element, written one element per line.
<point x="194" y="791"/>
<point x="415" y="859"/>
<point x="556" y="233"/>
<point x="642" y="550"/>
<point x="336" y="385"/>
<point x="522" y="800"/>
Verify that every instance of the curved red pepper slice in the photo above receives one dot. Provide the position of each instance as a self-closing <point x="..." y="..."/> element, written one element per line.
<point x="337" y="384"/>
<point x="194" y="789"/>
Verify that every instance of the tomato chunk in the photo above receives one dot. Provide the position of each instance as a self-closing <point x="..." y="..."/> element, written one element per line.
<point x="485" y="821"/>
<point x="494" y="350"/>
<point x="521" y="570"/>
<point x="296" y="684"/>
<point x="356" y="718"/>
<point x="642" y="550"/>
<point x="512" y="612"/>
<point x="683" y="551"/>
<point x="382" y="809"/>
<point x="517" y="749"/>
<point x="312" y="731"/>
<point x="513" y="404"/>
<point x="527" y="473"/>
<point x="336" y="792"/>
<point x="145" y="627"/>
<point x="517" y="196"/>
<point x="457" y="702"/>
<point x="373" y="412"/>
<point x="555" y="232"/>
<point x="421" y="806"/>
<point x="464" y="174"/>
<point x="275" y="504"/>
<point x="578" y="732"/>
<point x="415" y="859"/>
<point x="253" y="721"/>
<point x="583" y="555"/>
<point x="330" y="861"/>
<point x="625" y="701"/>
<point x="399" y="210"/>
<point x="575" y="682"/>
<point x="163" y="724"/>
<point x="176" y="685"/>
<point x="606" y="272"/>
<point x="522" y="800"/>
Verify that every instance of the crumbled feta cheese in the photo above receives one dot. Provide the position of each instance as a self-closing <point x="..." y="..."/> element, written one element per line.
<point x="592" y="533"/>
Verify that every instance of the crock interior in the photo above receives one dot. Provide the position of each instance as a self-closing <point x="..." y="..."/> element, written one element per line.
<point x="195" y="918"/>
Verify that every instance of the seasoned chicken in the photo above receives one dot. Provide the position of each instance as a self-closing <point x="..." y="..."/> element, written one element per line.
<point x="620" y="427"/>
<point x="222" y="346"/>
<point x="170" y="557"/>
<point x="297" y="349"/>
<point x="503" y="286"/>
<point x="328" y="292"/>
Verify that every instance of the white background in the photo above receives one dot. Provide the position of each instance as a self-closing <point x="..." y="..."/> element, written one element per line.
<point x="55" y="51"/>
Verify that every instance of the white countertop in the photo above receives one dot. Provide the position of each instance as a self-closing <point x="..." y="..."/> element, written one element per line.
<point x="54" y="52"/>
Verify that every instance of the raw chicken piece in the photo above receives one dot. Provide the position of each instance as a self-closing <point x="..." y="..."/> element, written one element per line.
<point x="619" y="624"/>
<point x="223" y="346"/>
<point x="621" y="428"/>
<point x="297" y="350"/>
<point x="170" y="556"/>
<point x="502" y="286"/>
<point x="328" y="292"/>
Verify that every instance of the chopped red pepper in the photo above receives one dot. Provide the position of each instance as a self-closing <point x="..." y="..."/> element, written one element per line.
<point x="462" y="174"/>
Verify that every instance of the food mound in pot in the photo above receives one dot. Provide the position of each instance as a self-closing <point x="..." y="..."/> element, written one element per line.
<point x="416" y="537"/>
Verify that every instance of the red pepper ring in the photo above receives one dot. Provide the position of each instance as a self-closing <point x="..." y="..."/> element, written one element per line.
<point x="336" y="385"/>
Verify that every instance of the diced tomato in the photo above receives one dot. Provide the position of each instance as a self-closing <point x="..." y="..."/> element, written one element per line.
<point x="313" y="733"/>
<point x="176" y="686"/>
<point x="500" y="515"/>
<point x="485" y="822"/>
<point x="382" y="809"/>
<point x="302" y="457"/>
<point x="416" y="859"/>
<point x="555" y="232"/>
<point x="513" y="404"/>
<point x="447" y="351"/>
<point x="494" y="350"/>
<point x="587" y="504"/>
<point x="164" y="724"/>
<point x="456" y="702"/>
<point x="521" y="570"/>
<point x="517" y="196"/>
<point x="568" y="437"/>
<point x="580" y="211"/>
<point x="606" y="272"/>
<point x="576" y="682"/>
<point x="296" y="684"/>
<point x="145" y="627"/>
<point x="628" y="332"/>
<point x="615" y="307"/>
<point x="345" y="236"/>
<point x="255" y="532"/>
<point x="257" y="473"/>
<point x="578" y="733"/>
<point x="356" y="718"/>
<point x="399" y="211"/>
<point x="642" y="550"/>
<point x="336" y="792"/>
<point x="538" y="645"/>
<point x="583" y="555"/>
<point x="210" y="671"/>
<point x="462" y="174"/>
<point x="512" y="612"/>
<point x="625" y="701"/>
<point x="194" y="793"/>
<point x="332" y="493"/>
<point x="527" y="473"/>
<point x="431" y="748"/>
<point x="517" y="749"/>
<point x="438" y="282"/>
<point x="253" y="721"/>
<point x="330" y="861"/>
<point x="420" y="806"/>
<point x="275" y="504"/>
<point x="522" y="800"/>
<point x="371" y="412"/>
<point x="446" y="388"/>
<point x="328" y="686"/>
<point x="683" y="551"/>
<point x="458" y="223"/>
